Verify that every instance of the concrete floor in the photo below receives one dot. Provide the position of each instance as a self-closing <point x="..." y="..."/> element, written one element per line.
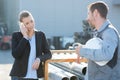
<point x="6" y="62"/>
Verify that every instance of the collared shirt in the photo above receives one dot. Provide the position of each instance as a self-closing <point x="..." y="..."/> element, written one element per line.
<point x="109" y="44"/>
<point x="31" y="73"/>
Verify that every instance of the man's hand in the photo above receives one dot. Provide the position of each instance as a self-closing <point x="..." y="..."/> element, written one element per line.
<point x="78" y="53"/>
<point x="36" y="63"/>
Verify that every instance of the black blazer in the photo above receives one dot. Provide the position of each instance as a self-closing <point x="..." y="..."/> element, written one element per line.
<point x="21" y="50"/>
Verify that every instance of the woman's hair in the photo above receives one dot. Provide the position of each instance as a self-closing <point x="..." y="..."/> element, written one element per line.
<point x="24" y="14"/>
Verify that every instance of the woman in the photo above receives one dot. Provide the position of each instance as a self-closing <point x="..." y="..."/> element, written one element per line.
<point x="29" y="49"/>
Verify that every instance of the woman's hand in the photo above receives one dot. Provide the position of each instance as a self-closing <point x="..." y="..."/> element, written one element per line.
<point x="23" y="30"/>
<point x="36" y="64"/>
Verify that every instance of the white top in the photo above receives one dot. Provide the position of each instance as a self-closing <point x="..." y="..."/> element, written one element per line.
<point x="31" y="73"/>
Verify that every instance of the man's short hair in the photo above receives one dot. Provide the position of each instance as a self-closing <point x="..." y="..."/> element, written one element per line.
<point x="101" y="6"/>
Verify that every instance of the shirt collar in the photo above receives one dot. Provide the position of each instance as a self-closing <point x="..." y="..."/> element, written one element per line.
<point x="107" y="22"/>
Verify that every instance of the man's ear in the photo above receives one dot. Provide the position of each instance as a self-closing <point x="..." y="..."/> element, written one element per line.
<point x="95" y="13"/>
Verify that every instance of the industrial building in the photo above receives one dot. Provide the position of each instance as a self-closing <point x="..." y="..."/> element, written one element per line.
<point x="54" y="17"/>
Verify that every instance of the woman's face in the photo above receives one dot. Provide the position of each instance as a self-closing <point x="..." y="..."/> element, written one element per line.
<point x="29" y="23"/>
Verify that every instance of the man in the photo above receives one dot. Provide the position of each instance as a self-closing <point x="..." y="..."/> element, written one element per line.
<point x="109" y="51"/>
<point x="29" y="49"/>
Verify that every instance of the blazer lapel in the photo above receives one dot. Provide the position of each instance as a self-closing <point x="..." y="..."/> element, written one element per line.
<point x="38" y="42"/>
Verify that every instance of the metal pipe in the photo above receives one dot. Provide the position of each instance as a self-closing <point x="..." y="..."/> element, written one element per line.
<point x="79" y="76"/>
<point x="80" y="68"/>
<point x="55" y="73"/>
<point x="58" y="74"/>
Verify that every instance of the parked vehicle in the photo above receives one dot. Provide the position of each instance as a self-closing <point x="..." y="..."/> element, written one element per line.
<point x="5" y="40"/>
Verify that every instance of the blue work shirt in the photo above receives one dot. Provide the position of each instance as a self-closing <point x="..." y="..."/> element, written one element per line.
<point x="105" y="53"/>
<point x="109" y="44"/>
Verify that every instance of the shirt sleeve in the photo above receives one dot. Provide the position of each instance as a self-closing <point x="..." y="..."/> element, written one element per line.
<point x="109" y="44"/>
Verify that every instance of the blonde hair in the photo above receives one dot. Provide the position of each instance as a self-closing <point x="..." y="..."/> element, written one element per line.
<point x="24" y="14"/>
